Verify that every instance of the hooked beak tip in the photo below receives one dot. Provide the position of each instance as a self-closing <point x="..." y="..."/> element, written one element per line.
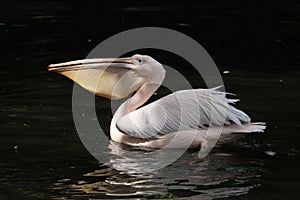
<point x="49" y="67"/>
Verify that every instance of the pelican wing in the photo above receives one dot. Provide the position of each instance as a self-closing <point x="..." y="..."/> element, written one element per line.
<point x="182" y="110"/>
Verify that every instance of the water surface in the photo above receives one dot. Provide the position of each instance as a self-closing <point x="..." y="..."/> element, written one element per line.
<point x="41" y="155"/>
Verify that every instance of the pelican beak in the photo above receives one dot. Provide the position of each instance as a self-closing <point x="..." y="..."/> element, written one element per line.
<point x="92" y="64"/>
<point x="113" y="78"/>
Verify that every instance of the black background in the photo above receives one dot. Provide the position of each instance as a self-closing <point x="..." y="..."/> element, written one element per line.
<point x="41" y="156"/>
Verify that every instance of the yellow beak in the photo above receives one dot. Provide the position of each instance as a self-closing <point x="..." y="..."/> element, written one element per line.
<point x="113" y="78"/>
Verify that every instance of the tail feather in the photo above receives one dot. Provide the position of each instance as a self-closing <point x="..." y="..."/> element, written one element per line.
<point x="245" y="128"/>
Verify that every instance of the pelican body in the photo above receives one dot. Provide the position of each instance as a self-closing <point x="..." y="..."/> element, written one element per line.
<point x="170" y="121"/>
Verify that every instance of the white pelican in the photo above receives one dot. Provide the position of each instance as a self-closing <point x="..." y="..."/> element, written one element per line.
<point x="155" y="124"/>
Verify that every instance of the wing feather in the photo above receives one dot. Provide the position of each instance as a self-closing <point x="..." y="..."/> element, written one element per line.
<point x="182" y="110"/>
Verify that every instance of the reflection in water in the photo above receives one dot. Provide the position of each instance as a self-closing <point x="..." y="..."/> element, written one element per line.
<point x="219" y="175"/>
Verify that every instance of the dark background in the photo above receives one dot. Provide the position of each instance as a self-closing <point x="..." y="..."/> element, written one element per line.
<point x="262" y="34"/>
<point x="41" y="155"/>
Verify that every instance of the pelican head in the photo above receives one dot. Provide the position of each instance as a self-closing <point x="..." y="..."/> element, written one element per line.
<point x="113" y="78"/>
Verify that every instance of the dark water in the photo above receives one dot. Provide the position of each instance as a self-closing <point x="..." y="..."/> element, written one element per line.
<point x="41" y="155"/>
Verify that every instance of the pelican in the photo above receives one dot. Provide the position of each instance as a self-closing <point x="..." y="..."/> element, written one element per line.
<point x="156" y="124"/>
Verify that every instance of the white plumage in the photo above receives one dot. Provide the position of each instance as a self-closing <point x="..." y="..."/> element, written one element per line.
<point x="186" y="117"/>
<point x="182" y="110"/>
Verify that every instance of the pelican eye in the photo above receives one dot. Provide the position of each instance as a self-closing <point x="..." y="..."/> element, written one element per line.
<point x="140" y="61"/>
